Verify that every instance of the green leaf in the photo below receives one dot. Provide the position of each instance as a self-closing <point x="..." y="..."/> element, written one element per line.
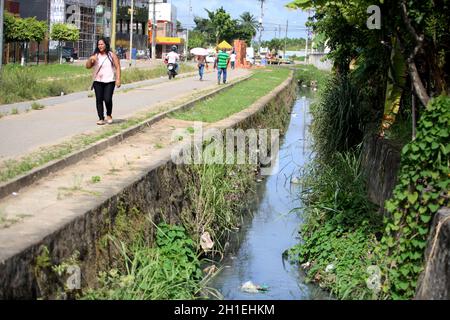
<point x="425" y="218"/>
<point x="412" y="197"/>
<point x="402" y="285"/>
<point x="433" y="207"/>
<point x="390" y="206"/>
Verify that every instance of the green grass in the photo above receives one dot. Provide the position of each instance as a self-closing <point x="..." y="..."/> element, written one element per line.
<point x="340" y="228"/>
<point x="168" y="269"/>
<point x="237" y="98"/>
<point x="51" y="71"/>
<point x="35" y="82"/>
<point x="37" y="106"/>
<point x="307" y="73"/>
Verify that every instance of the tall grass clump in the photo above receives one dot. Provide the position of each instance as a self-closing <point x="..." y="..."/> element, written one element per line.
<point x="338" y="118"/>
<point x="16" y="83"/>
<point x="217" y="193"/>
<point x="340" y="228"/>
<point x="169" y="270"/>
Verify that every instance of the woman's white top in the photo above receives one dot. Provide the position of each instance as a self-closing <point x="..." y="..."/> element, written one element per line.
<point x="106" y="73"/>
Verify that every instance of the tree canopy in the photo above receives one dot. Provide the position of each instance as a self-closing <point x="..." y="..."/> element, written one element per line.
<point x="65" y="32"/>
<point x="221" y="26"/>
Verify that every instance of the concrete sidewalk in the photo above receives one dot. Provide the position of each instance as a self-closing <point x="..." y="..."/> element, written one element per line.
<point x="76" y="114"/>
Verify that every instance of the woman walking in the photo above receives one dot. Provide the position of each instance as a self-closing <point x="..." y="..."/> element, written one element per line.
<point x="106" y="76"/>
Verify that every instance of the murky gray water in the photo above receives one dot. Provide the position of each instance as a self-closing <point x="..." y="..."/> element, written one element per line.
<point x="273" y="227"/>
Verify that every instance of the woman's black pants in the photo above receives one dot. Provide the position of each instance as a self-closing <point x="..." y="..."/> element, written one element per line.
<point x="104" y="92"/>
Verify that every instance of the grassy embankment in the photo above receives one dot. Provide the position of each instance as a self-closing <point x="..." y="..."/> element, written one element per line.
<point x="340" y="229"/>
<point x="35" y="82"/>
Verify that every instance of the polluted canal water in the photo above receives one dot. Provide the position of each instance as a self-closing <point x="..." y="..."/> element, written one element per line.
<point x="256" y="257"/>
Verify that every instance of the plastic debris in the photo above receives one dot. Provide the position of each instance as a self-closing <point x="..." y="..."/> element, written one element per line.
<point x="250" y="287"/>
<point x="205" y="241"/>
<point x="210" y="270"/>
<point x="295" y="180"/>
<point x="329" y="268"/>
<point x="14" y="193"/>
<point x="305" y="265"/>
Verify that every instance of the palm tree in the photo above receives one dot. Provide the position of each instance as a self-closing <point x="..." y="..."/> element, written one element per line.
<point x="249" y="20"/>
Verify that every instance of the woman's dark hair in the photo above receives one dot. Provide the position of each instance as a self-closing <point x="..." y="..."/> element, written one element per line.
<point x="107" y="47"/>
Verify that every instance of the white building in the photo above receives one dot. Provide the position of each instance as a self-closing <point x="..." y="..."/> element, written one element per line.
<point x="166" y="27"/>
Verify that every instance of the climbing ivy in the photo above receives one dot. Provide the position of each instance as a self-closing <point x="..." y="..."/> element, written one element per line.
<point x="422" y="189"/>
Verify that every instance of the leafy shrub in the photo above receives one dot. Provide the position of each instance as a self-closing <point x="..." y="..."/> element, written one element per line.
<point x="339" y="121"/>
<point x="423" y="184"/>
<point x="171" y="270"/>
<point x="340" y="228"/>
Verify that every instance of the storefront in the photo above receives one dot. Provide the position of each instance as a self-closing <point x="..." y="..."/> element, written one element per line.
<point x="164" y="45"/>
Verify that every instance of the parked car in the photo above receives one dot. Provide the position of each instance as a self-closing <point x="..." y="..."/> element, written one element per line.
<point x="69" y="54"/>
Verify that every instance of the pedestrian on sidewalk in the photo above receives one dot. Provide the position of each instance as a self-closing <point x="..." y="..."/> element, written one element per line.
<point x="201" y="62"/>
<point x="106" y="76"/>
<point x="222" y="62"/>
<point x="233" y="60"/>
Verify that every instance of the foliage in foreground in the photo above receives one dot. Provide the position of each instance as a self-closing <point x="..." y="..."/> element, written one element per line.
<point x="422" y="189"/>
<point x="171" y="270"/>
<point x="340" y="228"/>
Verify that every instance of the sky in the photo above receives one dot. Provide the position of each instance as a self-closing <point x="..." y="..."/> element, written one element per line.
<point x="274" y="21"/>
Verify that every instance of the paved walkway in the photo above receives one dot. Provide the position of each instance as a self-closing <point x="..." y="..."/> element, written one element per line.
<point x="67" y="116"/>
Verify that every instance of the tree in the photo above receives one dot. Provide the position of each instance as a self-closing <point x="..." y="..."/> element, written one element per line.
<point x="196" y="39"/>
<point x="222" y="24"/>
<point x="275" y="45"/>
<point x="8" y="27"/>
<point x="243" y="32"/>
<point x="24" y="31"/>
<point x="407" y="57"/>
<point x="64" y="32"/>
<point x="249" y="23"/>
<point x="40" y="29"/>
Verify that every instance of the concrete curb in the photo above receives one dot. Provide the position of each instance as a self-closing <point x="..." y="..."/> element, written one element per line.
<point x="38" y="173"/>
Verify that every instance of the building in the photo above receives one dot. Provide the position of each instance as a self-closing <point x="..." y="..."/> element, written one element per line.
<point x="166" y="27"/>
<point x="140" y="29"/>
<point x="92" y="17"/>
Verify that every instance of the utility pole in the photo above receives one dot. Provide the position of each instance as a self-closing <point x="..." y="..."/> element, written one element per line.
<point x="285" y="39"/>
<point x="154" y="32"/>
<point x="113" y="25"/>
<point x="131" y="31"/>
<point x="2" y="5"/>
<point x="261" y="21"/>
<point x="187" y="33"/>
<point x="94" y="42"/>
